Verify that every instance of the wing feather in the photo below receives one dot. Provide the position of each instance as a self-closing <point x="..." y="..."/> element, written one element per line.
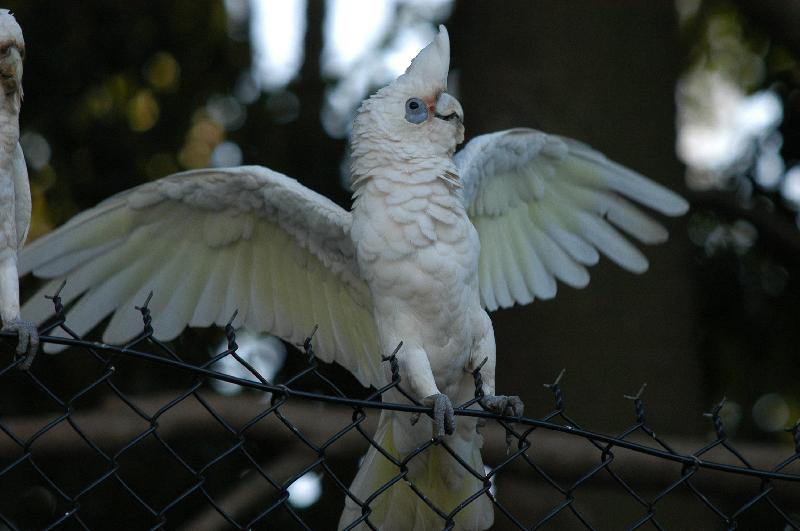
<point x="510" y="255"/>
<point x="213" y="289"/>
<point x="612" y="244"/>
<point x="262" y="307"/>
<point x="207" y="242"/>
<point x="555" y="259"/>
<point x="563" y="233"/>
<point x="500" y="283"/>
<point x="485" y="283"/>
<point x="237" y="296"/>
<point x="166" y="279"/>
<point x="546" y="206"/>
<point x="540" y="283"/>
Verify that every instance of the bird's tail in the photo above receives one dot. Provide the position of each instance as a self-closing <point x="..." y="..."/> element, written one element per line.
<point x="434" y="472"/>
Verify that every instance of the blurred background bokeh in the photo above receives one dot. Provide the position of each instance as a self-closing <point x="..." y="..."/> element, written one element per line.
<point x="700" y="95"/>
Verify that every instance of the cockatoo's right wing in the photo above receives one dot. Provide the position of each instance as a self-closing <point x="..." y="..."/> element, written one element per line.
<point x="545" y="205"/>
<point x="208" y="242"/>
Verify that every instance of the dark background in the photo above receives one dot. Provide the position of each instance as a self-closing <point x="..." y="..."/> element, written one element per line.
<point x="705" y="321"/>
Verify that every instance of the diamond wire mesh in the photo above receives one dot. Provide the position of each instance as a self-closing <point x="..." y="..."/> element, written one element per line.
<point x="182" y="487"/>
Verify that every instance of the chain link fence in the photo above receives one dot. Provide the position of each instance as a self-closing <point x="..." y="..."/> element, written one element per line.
<point x="102" y="454"/>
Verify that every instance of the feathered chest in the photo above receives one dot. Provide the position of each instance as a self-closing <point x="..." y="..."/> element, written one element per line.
<point x="413" y="236"/>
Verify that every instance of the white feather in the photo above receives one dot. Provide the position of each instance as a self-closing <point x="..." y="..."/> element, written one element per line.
<point x="211" y="290"/>
<point x="570" y="190"/>
<point x="262" y="307"/>
<point x="612" y="244"/>
<point x="511" y="254"/>
<point x="207" y="242"/>
<point x="561" y="265"/>
<point x="500" y="283"/>
<point x="540" y="280"/>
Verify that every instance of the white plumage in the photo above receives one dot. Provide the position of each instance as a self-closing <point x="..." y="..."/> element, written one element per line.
<point x="545" y="205"/>
<point x="15" y="193"/>
<point x="431" y="242"/>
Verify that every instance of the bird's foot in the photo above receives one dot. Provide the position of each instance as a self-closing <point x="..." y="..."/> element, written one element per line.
<point x="509" y="406"/>
<point x="27" y="340"/>
<point x="444" y="421"/>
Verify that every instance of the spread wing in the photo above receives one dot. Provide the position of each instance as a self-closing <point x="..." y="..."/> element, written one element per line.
<point x="546" y="206"/>
<point x="207" y="242"/>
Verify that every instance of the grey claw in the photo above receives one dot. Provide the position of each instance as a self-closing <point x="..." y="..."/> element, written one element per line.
<point x="27" y="340"/>
<point x="517" y="406"/>
<point x="509" y="406"/>
<point x="443" y="418"/>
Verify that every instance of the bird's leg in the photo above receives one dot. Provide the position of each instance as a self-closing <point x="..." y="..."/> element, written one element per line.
<point x="28" y="336"/>
<point x="510" y="406"/>
<point x="483" y="359"/>
<point x="27" y="340"/>
<point x="443" y="419"/>
<point x="416" y="373"/>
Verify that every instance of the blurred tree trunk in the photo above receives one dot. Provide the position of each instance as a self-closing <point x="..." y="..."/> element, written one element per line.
<point x="300" y="147"/>
<point x="603" y="73"/>
<point x="316" y="163"/>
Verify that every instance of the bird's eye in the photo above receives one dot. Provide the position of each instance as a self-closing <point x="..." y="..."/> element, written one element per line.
<point x="416" y="111"/>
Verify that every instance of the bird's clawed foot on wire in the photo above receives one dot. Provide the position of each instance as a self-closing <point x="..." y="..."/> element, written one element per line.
<point x="510" y="406"/>
<point x="27" y="342"/>
<point x="444" y="421"/>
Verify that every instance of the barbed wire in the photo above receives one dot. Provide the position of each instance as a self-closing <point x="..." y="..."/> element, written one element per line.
<point x="771" y="495"/>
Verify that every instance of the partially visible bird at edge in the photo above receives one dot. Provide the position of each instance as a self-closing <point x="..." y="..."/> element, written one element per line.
<point x="15" y="191"/>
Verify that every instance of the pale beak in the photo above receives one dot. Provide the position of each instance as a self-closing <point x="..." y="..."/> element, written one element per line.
<point x="448" y="108"/>
<point x="11" y="70"/>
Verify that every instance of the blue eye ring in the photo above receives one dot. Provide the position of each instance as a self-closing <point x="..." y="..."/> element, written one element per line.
<point x="416" y="111"/>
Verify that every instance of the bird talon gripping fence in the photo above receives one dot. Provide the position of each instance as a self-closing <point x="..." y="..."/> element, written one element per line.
<point x="189" y="458"/>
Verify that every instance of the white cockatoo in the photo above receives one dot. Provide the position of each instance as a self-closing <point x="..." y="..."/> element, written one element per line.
<point x="15" y="191"/>
<point x="431" y="243"/>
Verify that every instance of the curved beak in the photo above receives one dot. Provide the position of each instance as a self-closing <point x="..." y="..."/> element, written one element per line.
<point x="11" y="70"/>
<point x="448" y="108"/>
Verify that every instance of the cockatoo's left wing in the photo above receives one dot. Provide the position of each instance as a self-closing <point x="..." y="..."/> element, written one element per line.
<point x="545" y="205"/>
<point x="208" y="242"/>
